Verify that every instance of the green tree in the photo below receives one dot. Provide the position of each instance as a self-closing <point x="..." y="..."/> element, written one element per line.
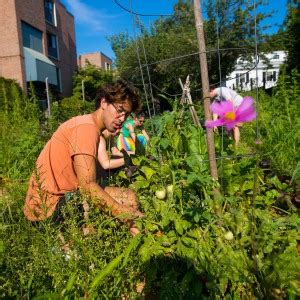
<point x="175" y="36"/>
<point x="93" y="78"/>
<point x="10" y="91"/>
<point x="275" y="41"/>
<point x="292" y="24"/>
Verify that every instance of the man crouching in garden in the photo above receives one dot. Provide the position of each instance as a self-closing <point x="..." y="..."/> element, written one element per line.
<point x="68" y="161"/>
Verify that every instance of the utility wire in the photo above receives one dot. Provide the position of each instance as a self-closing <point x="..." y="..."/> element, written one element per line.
<point x="140" y="14"/>
<point x="187" y="55"/>
<point x="158" y="15"/>
<point x="218" y="50"/>
<point x="213" y="84"/>
<point x="193" y="54"/>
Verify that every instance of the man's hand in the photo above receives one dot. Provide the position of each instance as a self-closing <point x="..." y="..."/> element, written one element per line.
<point x="134" y="230"/>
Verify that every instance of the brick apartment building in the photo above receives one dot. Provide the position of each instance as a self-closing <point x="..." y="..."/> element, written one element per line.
<point x="96" y="58"/>
<point x="37" y="40"/>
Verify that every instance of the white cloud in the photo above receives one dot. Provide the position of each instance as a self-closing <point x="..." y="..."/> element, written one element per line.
<point x="88" y="16"/>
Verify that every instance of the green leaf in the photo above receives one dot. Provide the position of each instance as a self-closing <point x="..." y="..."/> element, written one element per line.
<point x="181" y="225"/>
<point x="188" y="242"/>
<point x="71" y="282"/>
<point x="132" y="245"/>
<point x="140" y="184"/>
<point x="106" y="271"/>
<point x="145" y="251"/>
<point x="165" y="143"/>
<point x="148" y="172"/>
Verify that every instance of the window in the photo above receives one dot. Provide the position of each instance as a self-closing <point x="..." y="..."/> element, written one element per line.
<point x="32" y="37"/>
<point x="237" y="79"/>
<point x="275" y="56"/>
<point x="107" y="66"/>
<point x="242" y="78"/>
<point x="50" y="12"/>
<point x="247" y="77"/>
<point x="52" y="45"/>
<point x="269" y="76"/>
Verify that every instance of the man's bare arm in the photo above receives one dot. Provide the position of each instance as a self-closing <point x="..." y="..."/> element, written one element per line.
<point x="85" y="168"/>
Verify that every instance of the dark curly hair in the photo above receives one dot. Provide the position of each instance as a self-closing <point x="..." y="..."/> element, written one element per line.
<point x="118" y="91"/>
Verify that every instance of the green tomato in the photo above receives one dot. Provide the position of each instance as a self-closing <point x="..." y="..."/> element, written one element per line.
<point x="160" y="194"/>
<point x="170" y="189"/>
<point x="228" y="236"/>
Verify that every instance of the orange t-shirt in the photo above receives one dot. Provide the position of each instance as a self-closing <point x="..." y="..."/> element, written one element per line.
<point x="54" y="174"/>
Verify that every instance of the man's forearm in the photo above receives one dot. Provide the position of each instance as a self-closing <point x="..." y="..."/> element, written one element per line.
<point x="104" y="200"/>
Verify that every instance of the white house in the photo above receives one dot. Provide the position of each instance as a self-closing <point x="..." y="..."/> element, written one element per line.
<point x="244" y="75"/>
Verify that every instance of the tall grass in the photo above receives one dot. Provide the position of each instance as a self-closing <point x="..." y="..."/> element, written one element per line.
<point x="279" y="122"/>
<point x="105" y="265"/>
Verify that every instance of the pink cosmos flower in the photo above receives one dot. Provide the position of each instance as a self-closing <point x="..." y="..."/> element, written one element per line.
<point x="229" y="115"/>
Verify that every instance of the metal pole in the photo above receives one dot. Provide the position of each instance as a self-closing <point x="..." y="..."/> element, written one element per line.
<point x="146" y="62"/>
<point x="205" y="87"/>
<point x="48" y="97"/>
<point x="83" y="90"/>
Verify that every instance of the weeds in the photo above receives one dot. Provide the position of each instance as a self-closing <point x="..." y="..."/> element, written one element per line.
<point x="249" y="250"/>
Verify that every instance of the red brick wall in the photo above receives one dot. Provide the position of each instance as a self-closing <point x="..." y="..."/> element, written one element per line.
<point x="11" y="57"/>
<point x="105" y="59"/>
<point x="93" y="58"/>
<point x="32" y="12"/>
<point x="96" y="58"/>
<point x="12" y="12"/>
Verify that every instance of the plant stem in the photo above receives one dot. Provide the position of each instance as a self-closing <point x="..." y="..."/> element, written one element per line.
<point x="280" y="209"/>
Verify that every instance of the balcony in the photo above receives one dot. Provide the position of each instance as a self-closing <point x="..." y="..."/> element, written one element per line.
<point x="38" y="67"/>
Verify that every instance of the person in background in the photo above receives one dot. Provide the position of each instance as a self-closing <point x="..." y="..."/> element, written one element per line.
<point x="143" y="135"/>
<point x="67" y="164"/>
<point x="225" y="93"/>
<point x="128" y="135"/>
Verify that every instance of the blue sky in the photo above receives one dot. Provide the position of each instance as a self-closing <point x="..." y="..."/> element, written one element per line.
<point x="95" y="20"/>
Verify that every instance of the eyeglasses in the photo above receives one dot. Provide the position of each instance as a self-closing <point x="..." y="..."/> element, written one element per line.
<point x="121" y="111"/>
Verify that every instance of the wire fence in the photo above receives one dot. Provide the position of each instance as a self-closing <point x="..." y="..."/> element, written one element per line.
<point x="147" y="82"/>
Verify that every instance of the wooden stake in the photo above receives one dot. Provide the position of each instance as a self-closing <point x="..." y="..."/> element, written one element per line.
<point x="205" y="87"/>
<point x="187" y="98"/>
